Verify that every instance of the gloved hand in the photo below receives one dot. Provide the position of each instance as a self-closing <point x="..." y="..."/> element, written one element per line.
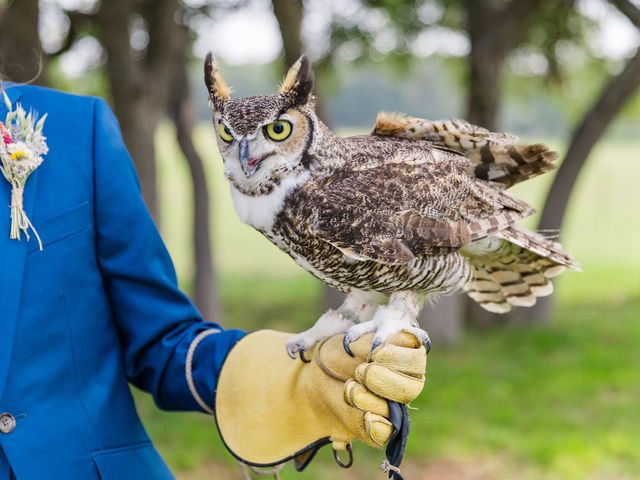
<point x="271" y="409"/>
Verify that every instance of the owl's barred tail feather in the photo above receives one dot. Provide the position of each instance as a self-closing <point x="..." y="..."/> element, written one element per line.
<point x="498" y="157"/>
<point x="514" y="268"/>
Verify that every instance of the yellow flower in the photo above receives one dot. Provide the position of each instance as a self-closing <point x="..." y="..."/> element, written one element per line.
<point x="18" y="155"/>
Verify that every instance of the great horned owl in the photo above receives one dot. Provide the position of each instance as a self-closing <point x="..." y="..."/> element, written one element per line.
<point x="416" y="209"/>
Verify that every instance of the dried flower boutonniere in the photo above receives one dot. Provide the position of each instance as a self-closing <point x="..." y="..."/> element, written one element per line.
<point x="22" y="146"/>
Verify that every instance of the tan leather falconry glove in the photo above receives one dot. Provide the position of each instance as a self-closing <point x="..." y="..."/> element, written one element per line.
<point x="271" y="409"/>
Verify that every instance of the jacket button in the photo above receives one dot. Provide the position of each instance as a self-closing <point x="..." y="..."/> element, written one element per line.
<point x="7" y="423"/>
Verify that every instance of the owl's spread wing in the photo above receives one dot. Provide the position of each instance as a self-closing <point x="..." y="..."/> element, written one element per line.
<point x="498" y="157"/>
<point x="398" y="210"/>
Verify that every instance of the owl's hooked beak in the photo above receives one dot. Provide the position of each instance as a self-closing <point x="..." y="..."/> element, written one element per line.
<point x="248" y="165"/>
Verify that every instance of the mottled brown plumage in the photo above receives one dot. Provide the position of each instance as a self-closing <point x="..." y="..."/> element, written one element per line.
<point x="498" y="157"/>
<point x="415" y="209"/>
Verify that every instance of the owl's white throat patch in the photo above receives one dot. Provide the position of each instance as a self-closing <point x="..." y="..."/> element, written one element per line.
<point x="260" y="211"/>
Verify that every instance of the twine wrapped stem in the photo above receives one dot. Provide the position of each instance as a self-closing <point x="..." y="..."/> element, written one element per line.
<point x="19" y="220"/>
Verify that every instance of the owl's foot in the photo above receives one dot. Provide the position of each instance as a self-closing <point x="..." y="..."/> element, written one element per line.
<point x="330" y="323"/>
<point x="398" y="316"/>
<point x="420" y="334"/>
<point x="383" y="334"/>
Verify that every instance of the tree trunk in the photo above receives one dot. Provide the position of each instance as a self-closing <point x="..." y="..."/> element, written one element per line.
<point x="485" y="69"/>
<point x="612" y="99"/>
<point x="289" y="15"/>
<point x="139" y="81"/>
<point x="485" y="89"/>
<point x="182" y="112"/>
<point x="137" y="113"/>
<point x="21" y="57"/>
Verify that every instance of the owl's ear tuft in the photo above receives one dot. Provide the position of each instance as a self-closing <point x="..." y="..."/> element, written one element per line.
<point x="298" y="82"/>
<point x="217" y="87"/>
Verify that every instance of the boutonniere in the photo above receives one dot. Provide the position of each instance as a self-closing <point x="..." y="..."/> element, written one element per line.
<point x="22" y="146"/>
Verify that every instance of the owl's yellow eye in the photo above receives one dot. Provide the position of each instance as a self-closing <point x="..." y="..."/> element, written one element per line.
<point x="225" y="134"/>
<point x="278" y="130"/>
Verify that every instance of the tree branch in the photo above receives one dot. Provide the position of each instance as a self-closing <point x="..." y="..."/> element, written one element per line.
<point x="613" y="97"/>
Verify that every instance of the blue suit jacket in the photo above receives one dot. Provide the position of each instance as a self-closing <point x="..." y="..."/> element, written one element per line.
<point x="97" y="308"/>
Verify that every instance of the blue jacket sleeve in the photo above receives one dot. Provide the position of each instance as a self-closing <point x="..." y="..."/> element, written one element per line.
<point x="156" y="321"/>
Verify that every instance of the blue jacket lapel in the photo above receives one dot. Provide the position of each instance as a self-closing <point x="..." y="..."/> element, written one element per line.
<point x="12" y="257"/>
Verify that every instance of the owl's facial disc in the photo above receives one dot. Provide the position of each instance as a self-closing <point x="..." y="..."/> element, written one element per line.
<point x="259" y="153"/>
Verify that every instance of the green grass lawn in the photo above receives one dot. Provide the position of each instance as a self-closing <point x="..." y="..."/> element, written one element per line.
<point x="552" y="402"/>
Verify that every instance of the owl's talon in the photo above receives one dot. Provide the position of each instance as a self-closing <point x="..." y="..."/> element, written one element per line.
<point x="297" y="346"/>
<point x="427" y="344"/>
<point x="291" y="353"/>
<point x="375" y="344"/>
<point x="302" y="357"/>
<point x="345" y="343"/>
